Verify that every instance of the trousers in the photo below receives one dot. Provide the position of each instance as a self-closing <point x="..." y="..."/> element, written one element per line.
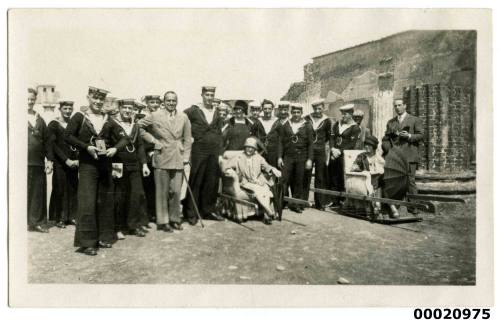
<point x="168" y="195"/>
<point x="320" y="173"/>
<point x="37" y="196"/>
<point x="130" y="202"/>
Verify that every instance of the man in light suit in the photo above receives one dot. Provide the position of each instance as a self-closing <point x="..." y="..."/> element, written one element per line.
<point x="170" y="132"/>
<point x="405" y="131"/>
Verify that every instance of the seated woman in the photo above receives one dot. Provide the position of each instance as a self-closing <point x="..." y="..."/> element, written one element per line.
<point x="373" y="164"/>
<point x="250" y="168"/>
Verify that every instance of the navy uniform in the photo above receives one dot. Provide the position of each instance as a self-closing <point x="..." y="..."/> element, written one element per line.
<point x="344" y="135"/>
<point x="296" y="150"/>
<point x="129" y="161"/>
<point x="63" y="199"/>
<point x="267" y="130"/>
<point x="206" y="129"/>
<point x="321" y="137"/>
<point x="88" y="131"/>
<point x="38" y="150"/>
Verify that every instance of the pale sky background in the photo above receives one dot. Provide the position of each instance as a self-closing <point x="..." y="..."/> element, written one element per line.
<point x="247" y="54"/>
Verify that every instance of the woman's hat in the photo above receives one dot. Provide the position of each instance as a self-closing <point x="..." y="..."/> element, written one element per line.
<point x="251" y="142"/>
<point x="371" y="140"/>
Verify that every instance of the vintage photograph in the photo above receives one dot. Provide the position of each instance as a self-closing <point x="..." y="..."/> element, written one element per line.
<point x="292" y="147"/>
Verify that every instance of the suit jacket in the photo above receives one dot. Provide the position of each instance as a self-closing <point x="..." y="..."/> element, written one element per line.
<point x="207" y="136"/>
<point x="412" y="125"/>
<point x="173" y="137"/>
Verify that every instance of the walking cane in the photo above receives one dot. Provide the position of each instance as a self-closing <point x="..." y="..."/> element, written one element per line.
<point x="192" y="198"/>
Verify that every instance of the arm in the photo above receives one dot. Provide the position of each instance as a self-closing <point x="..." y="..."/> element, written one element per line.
<point x="141" y="153"/>
<point x="52" y="137"/>
<point x="72" y="131"/>
<point x="419" y="131"/>
<point x="145" y="125"/>
<point x="310" y="140"/>
<point x="49" y="153"/>
<point x="187" y="140"/>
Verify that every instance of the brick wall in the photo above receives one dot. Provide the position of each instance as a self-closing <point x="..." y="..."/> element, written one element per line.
<point x="446" y="112"/>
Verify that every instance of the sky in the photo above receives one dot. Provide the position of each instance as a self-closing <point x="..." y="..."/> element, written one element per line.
<point x="246" y="53"/>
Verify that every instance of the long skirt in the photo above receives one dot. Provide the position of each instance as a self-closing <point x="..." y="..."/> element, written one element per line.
<point x="64" y="199"/>
<point x="130" y="202"/>
<point x="95" y="219"/>
<point x="37" y="196"/>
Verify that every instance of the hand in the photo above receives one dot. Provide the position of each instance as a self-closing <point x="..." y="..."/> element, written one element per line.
<point x="76" y="163"/>
<point x="186" y="162"/>
<point x="48" y="167"/>
<point x="280" y="163"/>
<point x="69" y="163"/>
<point x="92" y="150"/>
<point x="309" y="164"/>
<point x="335" y="153"/>
<point x="145" y="170"/>
<point x="276" y="172"/>
<point x="111" y="152"/>
<point x="404" y="134"/>
<point x="151" y="153"/>
<point x="158" y="145"/>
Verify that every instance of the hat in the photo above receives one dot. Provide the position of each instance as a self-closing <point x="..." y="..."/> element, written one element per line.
<point x="371" y="140"/>
<point x="241" y="104"/>
<point x="151" y="97"/>
<point x="66" y="103"/>
<point x="283" y="104"/>
<point x="347" y="107"/>
<point x="318" y="102"/>
<point x="94" y="91"/>
<point x="266" y="101"/>
<point x="208" y="89"/>
<point x="127" y="101"/>
<point x="223" y="106"/>
<point x="358" y="113"/>
<point x="255" y="105"/>
<point x="296" y="106"/>
<point x="251" y="142"/>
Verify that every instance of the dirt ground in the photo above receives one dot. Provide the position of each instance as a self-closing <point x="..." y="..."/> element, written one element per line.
<point x="310" y="248"/>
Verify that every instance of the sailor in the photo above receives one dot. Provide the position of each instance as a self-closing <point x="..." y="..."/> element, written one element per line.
<point x="255" y="111"/>
<point x="268" y="131"/>
<point x="344" y="135"/>
<point x="63" y="199"/>
<point x="129" y="165"/>
<point x="38" y="167"/>
<point x="321" y="125"/>
<point x="296" y="153"/>
<point x="206" y="128"/>
<point x="89" y="131"/>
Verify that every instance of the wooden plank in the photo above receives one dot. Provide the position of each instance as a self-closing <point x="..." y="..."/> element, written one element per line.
<point x="242" y="202"/>
<point x="370" y="198"/>
<point x="436" y="198"/>
<point x="297" y="201"/>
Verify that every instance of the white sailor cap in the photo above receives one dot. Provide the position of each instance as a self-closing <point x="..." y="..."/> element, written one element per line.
<point x="347" y="107"/>
<point x="317" y="102"/>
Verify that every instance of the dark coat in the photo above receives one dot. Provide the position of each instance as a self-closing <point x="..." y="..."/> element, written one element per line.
<point x="234" y="135"/>
<point x="207" y="137"/>
<point x="412" y="125"/>
<point x="347" y="140"/>
<point x="132" y="155"/>
<point x="61" y="150"/>
<point x="321" y="136"/>
<point x="38" y="143"/>
<point x="304" y="141"/>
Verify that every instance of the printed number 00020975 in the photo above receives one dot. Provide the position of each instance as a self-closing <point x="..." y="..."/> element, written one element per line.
<point x="448" y="314"/>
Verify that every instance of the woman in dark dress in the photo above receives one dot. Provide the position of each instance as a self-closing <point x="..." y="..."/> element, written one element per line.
<point x="63" y="199"/>
<point x="38" y="150"/>
<point x="237" y="129"/>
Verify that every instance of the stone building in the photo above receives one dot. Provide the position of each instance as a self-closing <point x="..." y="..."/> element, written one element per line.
<point x="434" y="71"/>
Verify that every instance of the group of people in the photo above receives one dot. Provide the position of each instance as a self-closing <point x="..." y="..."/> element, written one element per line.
<point x="116" y="171"/>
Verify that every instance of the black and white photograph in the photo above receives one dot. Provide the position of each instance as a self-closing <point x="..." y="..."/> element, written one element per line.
<point x="250" y="157"/>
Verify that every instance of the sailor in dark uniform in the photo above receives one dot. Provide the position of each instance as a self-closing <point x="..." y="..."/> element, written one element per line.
<point x="345" y="134"/>
<point x="63" y="199"/>
<point x="89" y="132"/>
<point x="129" y="166"/>
<point x="38" y="150"/>
<point x="296" y="153"/>
<point x="322" y="126"/>
<point x="238" y="128"/>
<point x="255" y="111"/>
<point x="268" y="131"/>
<point x="206" y="129"/>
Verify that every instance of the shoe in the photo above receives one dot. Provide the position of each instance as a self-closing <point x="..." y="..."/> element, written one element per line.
<point x="176" y="226"/>
<point x="320" y="208"/>
<point x="60" y="224"/>
<point x="216" y="216"/>
<point x="192" y="221"/>
<point x="413" y="211"/>
<point x="147" y="226"/>
<point x="120" y="236"/>
<point x="71" y="222"/>
<point x="138" y="232"/>
<point x="144" y="229"/>
<point x="296" y="209"/>
<point x="39" y="229"/>
<point x="103" y="244"/>
<point x="267" y="221"/>
<point x="166" y="228"/>
<point x="394" y="215"/>
<point x="90" y="251"/>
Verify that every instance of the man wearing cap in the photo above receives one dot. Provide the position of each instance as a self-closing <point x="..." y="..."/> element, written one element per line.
<point x="358" y="116"/>
<point x="405" y="131"/>
<point x="344" y="135"/>
<point x="63" y="199"/>
<point x="321" y="125"/>
<point x="38" y="150"/>
<point x="170" y="132"/>
<point x="268" y="132"/>
<point x="129" y="165"/>
<point x="206" y="128"/>
<point x="255" y="111"/>
<point x="89" y="131"/>
<point x="296" y="153"/>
